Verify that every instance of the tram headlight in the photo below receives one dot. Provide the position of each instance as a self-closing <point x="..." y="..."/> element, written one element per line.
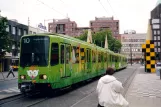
<point x="44" y="77"/>
<point x="22" y="77"/>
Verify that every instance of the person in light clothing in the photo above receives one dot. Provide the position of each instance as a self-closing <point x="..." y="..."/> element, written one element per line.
<point x="109" y="91"/>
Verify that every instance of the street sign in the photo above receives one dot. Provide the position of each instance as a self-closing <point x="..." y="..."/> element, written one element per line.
<point x="40" y="25"/>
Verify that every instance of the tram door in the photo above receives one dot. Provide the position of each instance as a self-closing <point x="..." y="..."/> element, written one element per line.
<point x="102" y="61"/>
<point x="88" y="58"/>
<point x="65" y="60"/>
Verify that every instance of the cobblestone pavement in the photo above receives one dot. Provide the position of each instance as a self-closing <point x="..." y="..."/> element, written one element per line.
<point x="145" y="90"/>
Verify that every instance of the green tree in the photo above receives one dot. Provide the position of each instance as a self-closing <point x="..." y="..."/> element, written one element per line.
<point x="117" y="45"/>
<point x="83" y="36"/>
<point x="99" y="39"/>
<point x="5" y="41"/>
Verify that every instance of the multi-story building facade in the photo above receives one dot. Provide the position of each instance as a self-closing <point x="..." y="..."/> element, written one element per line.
<point x="104" y="23"/>
<point x="63" y="26"/>
<point x="33" y="30"/>
<point x="16" y="31"/>
<point x="132" y="46"/>
<point x="80" y="30"/>
<point x="156" y="33"/>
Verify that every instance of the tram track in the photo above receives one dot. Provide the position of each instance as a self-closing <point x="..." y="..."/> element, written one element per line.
<point x="125" y="84"/>
<point x="10" y="99"/>
<point x="30" y="105"/>
<point x="16" y="98"/>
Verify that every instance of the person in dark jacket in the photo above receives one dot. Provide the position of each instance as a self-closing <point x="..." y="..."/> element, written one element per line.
<point x="10" y="72"/>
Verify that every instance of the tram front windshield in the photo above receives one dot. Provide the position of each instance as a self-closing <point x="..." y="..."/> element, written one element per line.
<point x="34" y="51"/>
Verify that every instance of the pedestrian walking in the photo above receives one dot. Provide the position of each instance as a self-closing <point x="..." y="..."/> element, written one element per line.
<point x="158" y="67"/>
<point x="10" y="72"/>
<point x="109" y="91"/>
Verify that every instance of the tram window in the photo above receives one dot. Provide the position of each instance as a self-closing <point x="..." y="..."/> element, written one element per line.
<point x="74" y="55"/>
<point x="93" y="56"/>
<point x="105" y="57"/>
<point x="99" y="57"/>
<point x="113" y="58"/>
<point x="116" y="58"/>
<point x="54" y="54"/>
<point x="67" y="53"/>
<point x="102" y="57"/>
<point x="77" y="55"/>
<point x="82" y="54"/>
<point x="62" y="54"/>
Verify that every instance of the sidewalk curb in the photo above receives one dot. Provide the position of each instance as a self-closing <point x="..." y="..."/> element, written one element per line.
<point x="128" y="82"/>
<point x="1" y="99"/>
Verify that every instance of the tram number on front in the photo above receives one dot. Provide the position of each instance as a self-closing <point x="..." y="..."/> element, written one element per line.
<point x="26" y="40"/>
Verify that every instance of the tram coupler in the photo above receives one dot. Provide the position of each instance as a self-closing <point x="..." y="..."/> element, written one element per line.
<point x="26" y="87"/>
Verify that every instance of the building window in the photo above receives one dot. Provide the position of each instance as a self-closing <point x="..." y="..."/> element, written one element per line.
<point x="14" y="30"/>
<point x="34" y="32"/>
<point x="50" y="30"/>
<point x="25" y="32"/>
<point x="155" y="43"/>
<point x="158" y="32"/>
<point x="158" y="49"/>
<point x="159" y="37"/>
<point x="30" y="32"/>
<point x="154" y="37"/>
<point x="51" y="26"/>
<point x="155" y="32"/>
<point x="19" y="32"/>
<point x="7" y="29"/>
<point x="155" y="49"/>
<point x="158" y="43"/>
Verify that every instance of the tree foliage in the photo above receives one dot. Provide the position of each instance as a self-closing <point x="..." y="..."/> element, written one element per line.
<point x="5" y="41"/>
<point x="99" y="39"/>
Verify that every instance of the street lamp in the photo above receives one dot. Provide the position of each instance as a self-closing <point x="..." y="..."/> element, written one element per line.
<point x="45" y="22"/>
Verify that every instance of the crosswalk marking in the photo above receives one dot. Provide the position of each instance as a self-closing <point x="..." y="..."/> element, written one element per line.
<point x="14" y="90"/>
<point x="11" y="90"/>
<point x="142" y="67"/>
<point x="8" y="91"/>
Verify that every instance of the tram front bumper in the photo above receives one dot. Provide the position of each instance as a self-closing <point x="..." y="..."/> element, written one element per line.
<point x="26" y="87"/>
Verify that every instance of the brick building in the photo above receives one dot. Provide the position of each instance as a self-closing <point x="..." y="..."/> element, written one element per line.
<point x="104" y="23"/>
<point x="68" y="27"/>
<point x="63" y="26"/>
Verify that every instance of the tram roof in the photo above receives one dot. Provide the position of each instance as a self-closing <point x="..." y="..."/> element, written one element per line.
<point x="72" y="38"/>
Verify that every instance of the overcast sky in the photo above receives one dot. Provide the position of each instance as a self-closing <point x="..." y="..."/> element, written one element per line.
<point x="133" y="14"/>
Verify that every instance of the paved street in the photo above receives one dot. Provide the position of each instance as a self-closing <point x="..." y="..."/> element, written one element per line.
<point x="3" y="76"/>
<point x="82" y="97"/>
<point x="8" y="86"/>
<point x="85" y="96"/>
